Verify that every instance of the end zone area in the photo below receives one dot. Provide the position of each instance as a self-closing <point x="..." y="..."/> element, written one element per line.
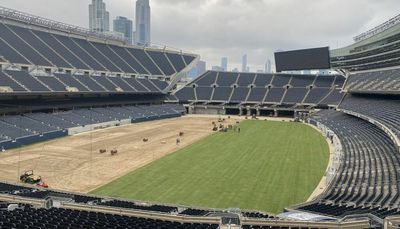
<point x="74" y="163"/>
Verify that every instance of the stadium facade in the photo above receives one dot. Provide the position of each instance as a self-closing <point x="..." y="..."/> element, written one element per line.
<point x="58" y="79"/>
<point x="375" y="49"/>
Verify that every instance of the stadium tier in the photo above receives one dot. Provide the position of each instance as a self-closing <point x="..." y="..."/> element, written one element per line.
<point x="252" y="88"/>
<point x="21" y="82"/>
<point x="381" y="110"/>
<point x="367" y="178"/>
<point x="381" y="81"/>
<point x="376" y="49"/>
<point x="24" y="214"/>
<point x="36" y="46"/>
<point x="29" y="128"/>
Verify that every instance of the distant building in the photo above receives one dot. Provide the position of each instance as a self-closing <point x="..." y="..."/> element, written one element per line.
<point x="224" y="64"/>
<point x="198" y="70"/>
<point x="268" y="66"/>
<point x="142" y="34"/>
<point x="260" y="71"/>
<point x="244" y="63"/>
<point x="247" y="69"/>
<point x="99" y="18"/>
<point x="235" y="70"/>
<point x="125" y="26"/>
<point x="306" y="72"/>
<point x="201" y="67"/>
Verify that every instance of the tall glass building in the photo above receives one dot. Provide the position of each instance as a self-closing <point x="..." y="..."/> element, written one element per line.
<point x="125" y="26"/>
<point x="99" y="18"/>
<point x="142" y="34"/>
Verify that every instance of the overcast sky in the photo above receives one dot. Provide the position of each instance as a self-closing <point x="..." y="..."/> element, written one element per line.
<point x="231" y="28"/>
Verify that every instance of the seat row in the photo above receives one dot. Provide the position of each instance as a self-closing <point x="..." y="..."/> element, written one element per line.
<point x="26" y="216"/>
<point x="236" y="88"/>
<point x="21" y="81"/>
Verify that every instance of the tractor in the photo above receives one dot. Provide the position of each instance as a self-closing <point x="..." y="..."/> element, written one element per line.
<point x="29" y="178"/>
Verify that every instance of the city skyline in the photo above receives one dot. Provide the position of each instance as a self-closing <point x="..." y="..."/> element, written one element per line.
<point x="257" y="30"/>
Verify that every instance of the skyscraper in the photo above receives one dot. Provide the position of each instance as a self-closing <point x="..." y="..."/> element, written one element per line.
<point x="244" y="63"/>
<point x="124" y="25"/>
<point x="99" y="18"/>
<point x="268" y="66"/>
<point x="142" y="34"/>
<point x="224" y="64"/>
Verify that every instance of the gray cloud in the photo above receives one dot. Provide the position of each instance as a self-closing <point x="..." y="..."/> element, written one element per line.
<point x="216" y="28"/>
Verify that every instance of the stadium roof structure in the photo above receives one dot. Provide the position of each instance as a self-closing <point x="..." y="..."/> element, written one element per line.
<point x="371" y="38"/>
<point x="378" y="29"/>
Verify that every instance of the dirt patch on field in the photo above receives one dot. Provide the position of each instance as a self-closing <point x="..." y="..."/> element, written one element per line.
<point x="75" y="164"/>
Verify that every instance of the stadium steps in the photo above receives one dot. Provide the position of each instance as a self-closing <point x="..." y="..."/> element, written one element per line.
<point x="27" y="43"/>
<point x="305" y="97"/>
<point x="121" y="58"/>
<point x="65" y="47"/>
<point x="142" y="84"/>
<point x="170" y="62"/>
<point x="138" y="61"/>
<point x="325" y="97"/>
<point x="105" y="56"/>
<point x="49" y="46"/>
<point x="25" y="49"/>
<point x="147" y="56"/>
<point x="20" y="55"/>
<point x="88" y="53"/>
<point x="284" y="95"/>
<point x="47" y="86"/>
<point x="5" y="74"/>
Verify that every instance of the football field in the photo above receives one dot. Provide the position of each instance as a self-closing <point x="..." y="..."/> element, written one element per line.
<point x="267" y="166"/>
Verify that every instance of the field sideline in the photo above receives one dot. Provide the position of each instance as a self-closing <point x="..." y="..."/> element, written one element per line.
<point x="268" y="166"/>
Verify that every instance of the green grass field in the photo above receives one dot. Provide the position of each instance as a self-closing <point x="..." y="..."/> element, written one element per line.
<point x="268" y="166"/>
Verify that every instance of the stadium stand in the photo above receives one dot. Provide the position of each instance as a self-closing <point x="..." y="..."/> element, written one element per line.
<point x="33" y="46"/>
<point x="247" y="88"/>
<point x="367" y="179"/>
<point x="382" y="109"/>
<point x="22" y="81"/>
<point x="18" y="127"/>
<point x="382" y="81"/>
<point x="25" y="214"/>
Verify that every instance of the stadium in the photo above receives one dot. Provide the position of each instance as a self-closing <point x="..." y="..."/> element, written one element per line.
<point x="96" y="133"/>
